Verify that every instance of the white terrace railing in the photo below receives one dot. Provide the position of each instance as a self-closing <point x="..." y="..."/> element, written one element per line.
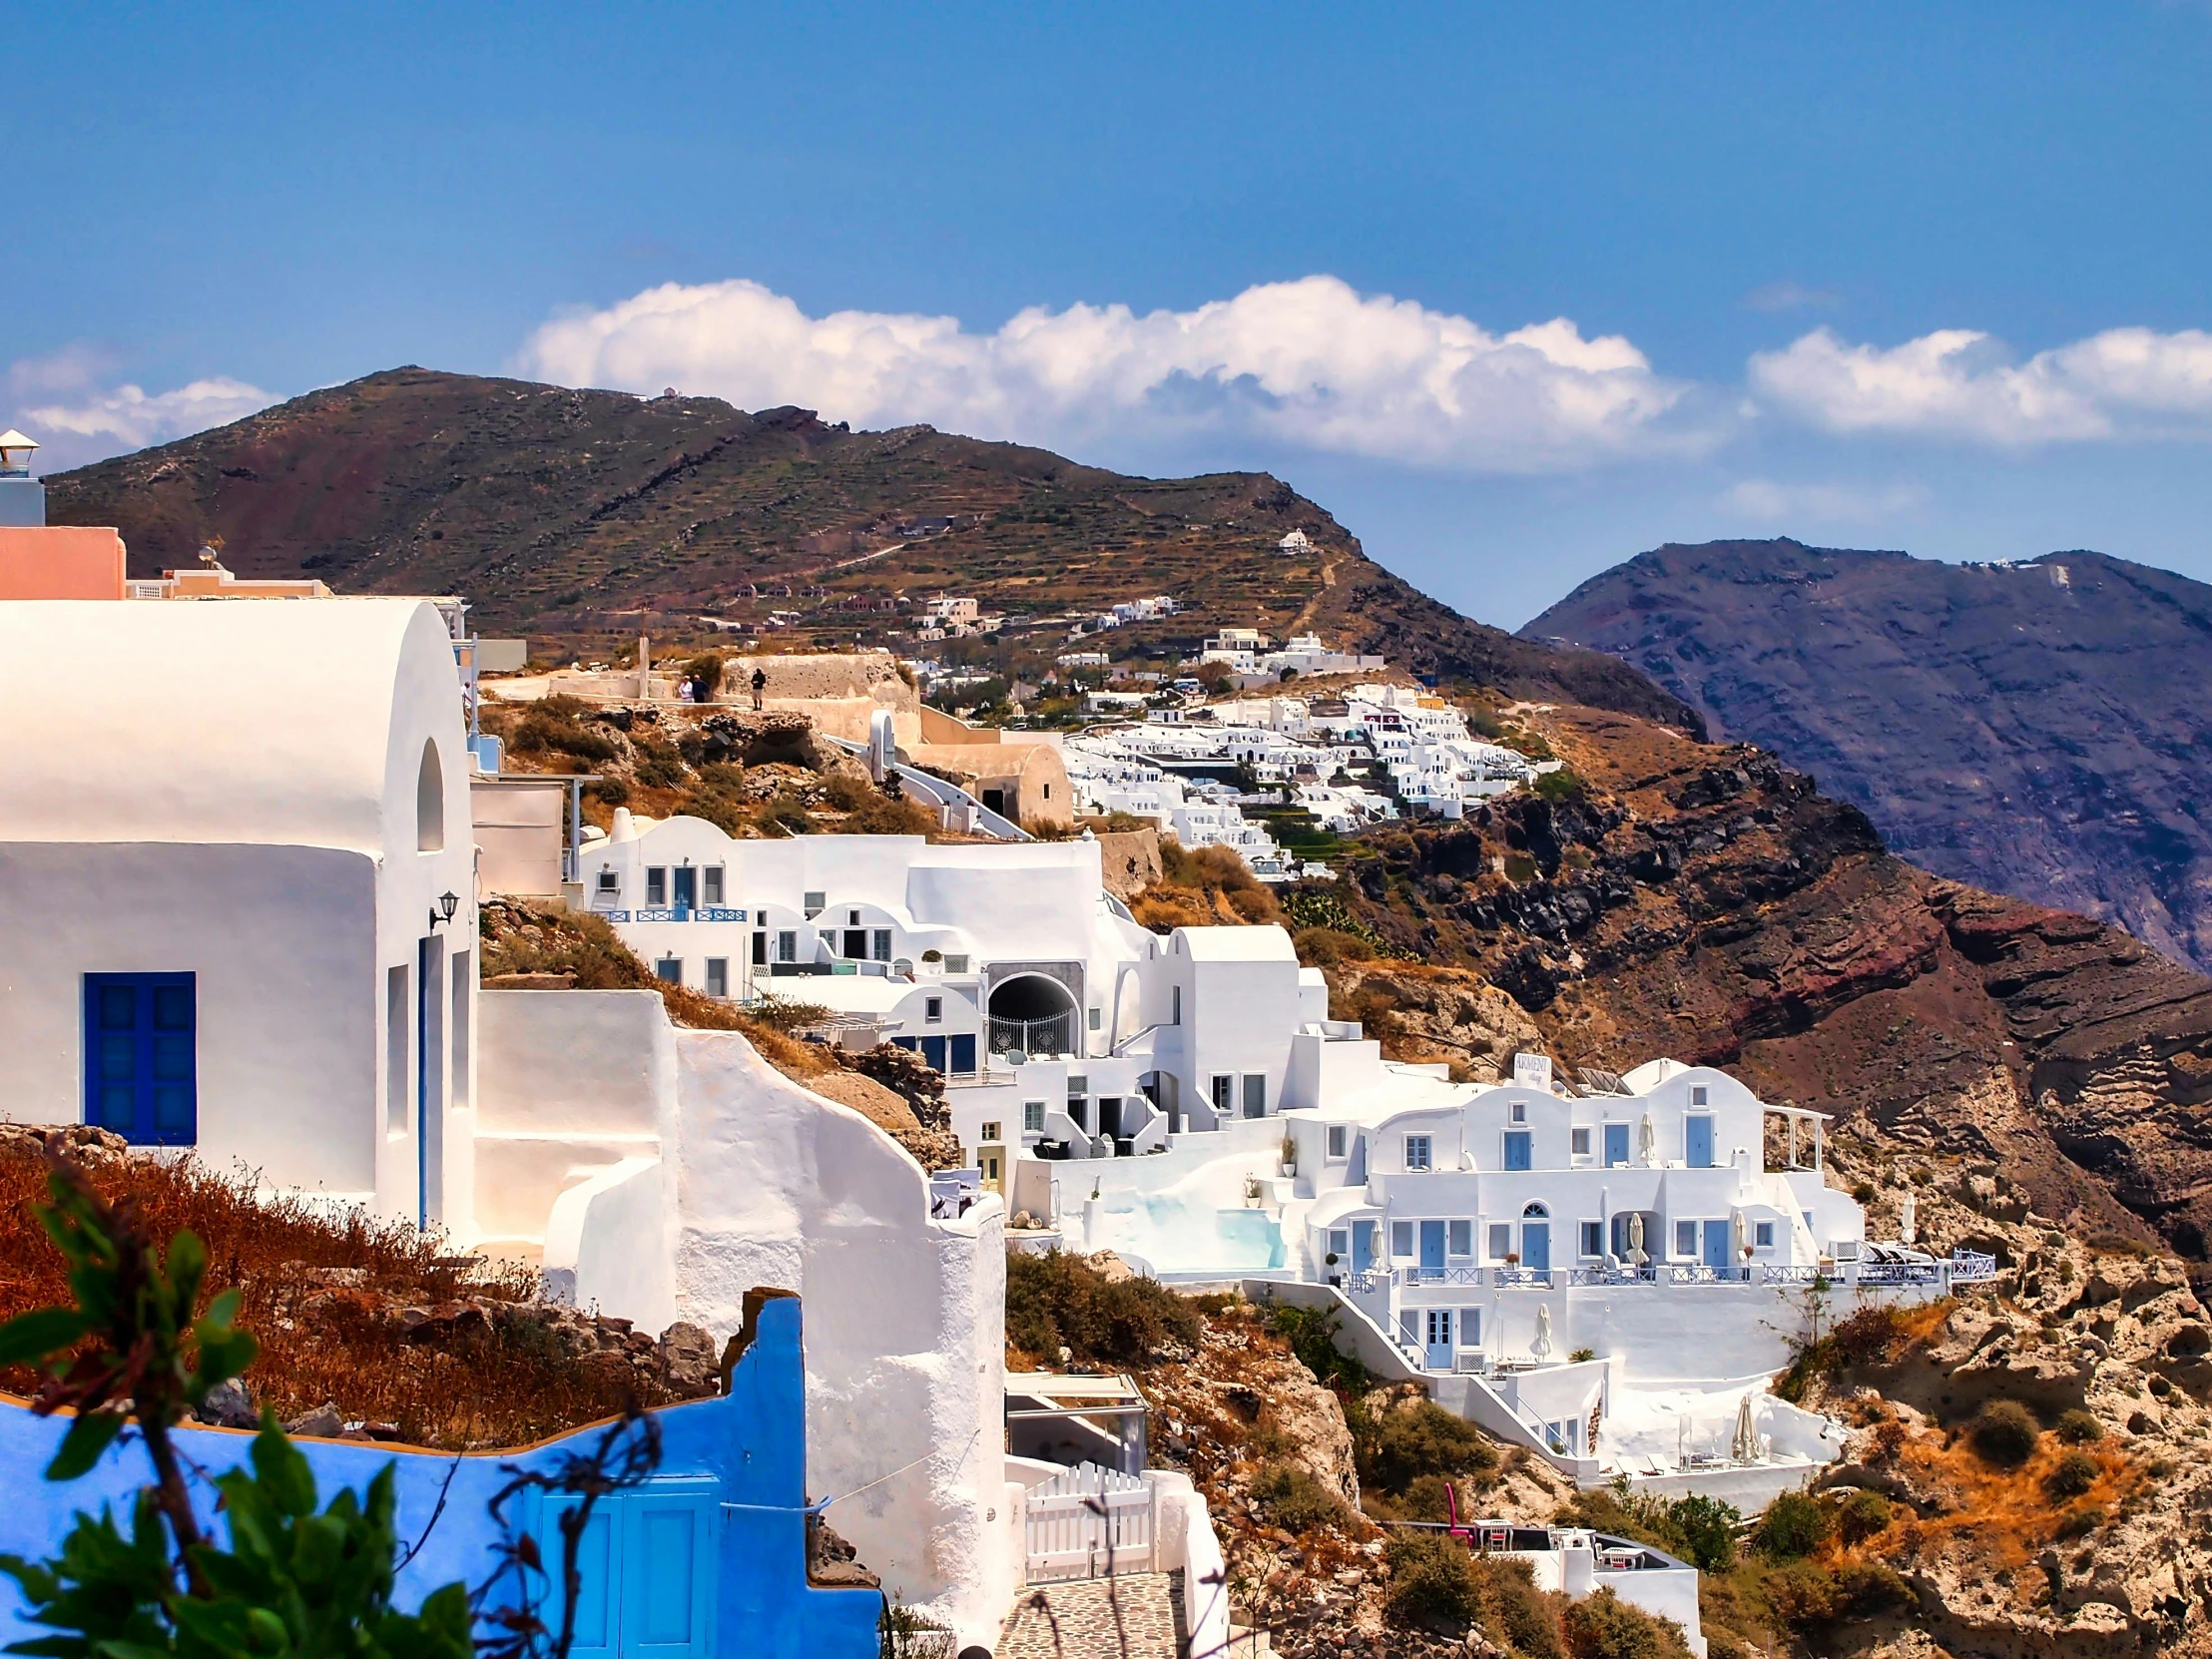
<point x="1963" y="1267"/>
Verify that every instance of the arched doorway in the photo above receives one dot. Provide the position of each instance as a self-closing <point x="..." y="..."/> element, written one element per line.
<point x="1031" y="1014"/>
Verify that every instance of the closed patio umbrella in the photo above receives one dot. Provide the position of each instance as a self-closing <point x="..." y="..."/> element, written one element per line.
<point x="1647" y="1142"/>
<point x="1908" y="1218"/>
<point x="1541" y="1347"/>
<point x="1736" y="1236"/>
<point x="1636" y="1256"/>
<point x="1745" y="1448"/>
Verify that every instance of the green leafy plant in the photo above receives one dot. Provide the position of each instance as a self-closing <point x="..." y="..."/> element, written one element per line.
<point x="1794" y="1525"/>
<point x="294" y="1583"/>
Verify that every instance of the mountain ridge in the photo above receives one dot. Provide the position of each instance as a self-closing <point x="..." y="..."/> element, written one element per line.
<point x="580" y="512"/>
<point x="2028" y="727"/>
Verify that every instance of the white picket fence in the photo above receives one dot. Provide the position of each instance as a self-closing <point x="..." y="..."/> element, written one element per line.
<point x="1089" y="1522"/>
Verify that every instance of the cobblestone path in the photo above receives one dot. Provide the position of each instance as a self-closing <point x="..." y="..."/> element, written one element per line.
<point x="1129" y="1617"/>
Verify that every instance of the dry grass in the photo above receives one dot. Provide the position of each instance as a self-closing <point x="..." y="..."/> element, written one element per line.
<point x="491" y="1380"/>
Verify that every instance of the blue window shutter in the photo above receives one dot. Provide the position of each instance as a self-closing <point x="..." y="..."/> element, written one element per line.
<point x="598" y="1570"/>
<point x="963" y="1053"/>
<point x="932" y="1053"/>
<point x="667" y="1583"/>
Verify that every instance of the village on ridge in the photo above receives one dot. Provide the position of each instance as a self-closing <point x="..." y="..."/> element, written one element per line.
<point x="254" y="870"/>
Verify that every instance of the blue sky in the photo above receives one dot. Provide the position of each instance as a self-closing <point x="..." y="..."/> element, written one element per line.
<point x="1515" y="292"/>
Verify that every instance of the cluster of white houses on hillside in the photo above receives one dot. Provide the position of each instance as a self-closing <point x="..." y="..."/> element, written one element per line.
<point x="254" y="898"/>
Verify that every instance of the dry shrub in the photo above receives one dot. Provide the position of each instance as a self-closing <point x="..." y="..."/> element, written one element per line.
<point x="2072" y="1476"/>
<point x="2004" y="1432"/>
<point x="1295" y="1501"/>
<point x="496" y="1381"/>
<point x="1425" y="1439"/>
<point x="1605" y="1627"/>
<point x="1061" y="1300"/>
<point x="2079" y="1427"/>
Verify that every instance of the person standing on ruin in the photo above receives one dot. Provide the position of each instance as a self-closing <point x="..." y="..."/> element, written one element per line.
<point x="760" y="684"/>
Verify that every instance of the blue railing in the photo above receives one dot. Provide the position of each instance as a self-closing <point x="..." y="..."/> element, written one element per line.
<point x="675" y="912"/>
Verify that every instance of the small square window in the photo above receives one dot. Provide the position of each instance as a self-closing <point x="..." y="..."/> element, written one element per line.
<point x="814" y="904"/>
<point x="1337" y="1137"/>
<point x="933" y="1009"/>
<point x="718" y="976"/>
<point x="1340" y="1241"/>
<point x="669" y="970"/>
<point x="656" y="885"/>
<point x="1762" y="1235"/>
<point x="713" y="888"/>
<point x="991" y="1132"/>
<point x="1079" y="1084"/>
<point x="1685" y="1237"/>
<point x="852" y="919"/>
<point x="1032" y="1117"/>
<point x="1697" y="1094"/>
<point x="1594" y="1238"/>
<point x="1401" y="1237"/>
<point x="1417" y="1152"/>
<point x="1518" y="1112"/>
<point x="1579" y="1142"/>
<point x="1462" y="1238"/>
<point x="609" y="882"/>
<point x="1097" y="1018"/>
<point x="1502" y="1240"/>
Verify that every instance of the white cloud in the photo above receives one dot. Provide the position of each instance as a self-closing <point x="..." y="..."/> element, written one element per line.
<point x="1311" y="363"/>
<point x="135" y="418"/>
<point x="1957" y="382"/>
<point x="1773" y="500"/>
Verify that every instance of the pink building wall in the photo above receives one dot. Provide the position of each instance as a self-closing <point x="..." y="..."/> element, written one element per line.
<point x="60" y="562"/>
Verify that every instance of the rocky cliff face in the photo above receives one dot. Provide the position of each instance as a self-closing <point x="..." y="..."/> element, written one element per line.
<point x="1704" y="902"/>
<point x="2038" y="728"/>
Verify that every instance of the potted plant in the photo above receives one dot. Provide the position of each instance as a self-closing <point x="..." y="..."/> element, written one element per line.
<point x="1336" y="1278"/>
<point x="1289" y="1155"/>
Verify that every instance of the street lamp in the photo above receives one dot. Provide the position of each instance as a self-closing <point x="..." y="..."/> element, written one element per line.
<point x="446" y="905"/>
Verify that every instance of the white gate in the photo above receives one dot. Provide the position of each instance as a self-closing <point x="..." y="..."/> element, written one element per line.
<point x="1089" y="1522"/>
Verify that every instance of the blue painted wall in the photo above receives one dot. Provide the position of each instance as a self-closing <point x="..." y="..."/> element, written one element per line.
<point x="749" y="1447"/>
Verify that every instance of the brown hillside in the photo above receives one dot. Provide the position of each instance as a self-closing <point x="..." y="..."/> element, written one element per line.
<point x="581" y="513"/>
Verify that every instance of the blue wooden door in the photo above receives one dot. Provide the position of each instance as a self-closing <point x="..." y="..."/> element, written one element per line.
<point x="140" y="1057"/>
<point x="686" y="887"/>
<point x="1616" y="1145"/>
<point x="932" y="1052"/>
<point x="1432" y="1248"/>
<point x="1363" y="1246"/>
<point x="668" y="1572"/>
<point x="1535" y="1245"/>
<point x="597" y="1564"/>
<point x="1436" y="1350"/>
<point x="1715" y="1254"/>
<point x="1697" y="1142"/>
<point x="963" y="1053"/>
<point x="646" y="1571"/>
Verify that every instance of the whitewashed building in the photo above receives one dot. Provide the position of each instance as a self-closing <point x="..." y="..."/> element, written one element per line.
<point x="240" y="877"/>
